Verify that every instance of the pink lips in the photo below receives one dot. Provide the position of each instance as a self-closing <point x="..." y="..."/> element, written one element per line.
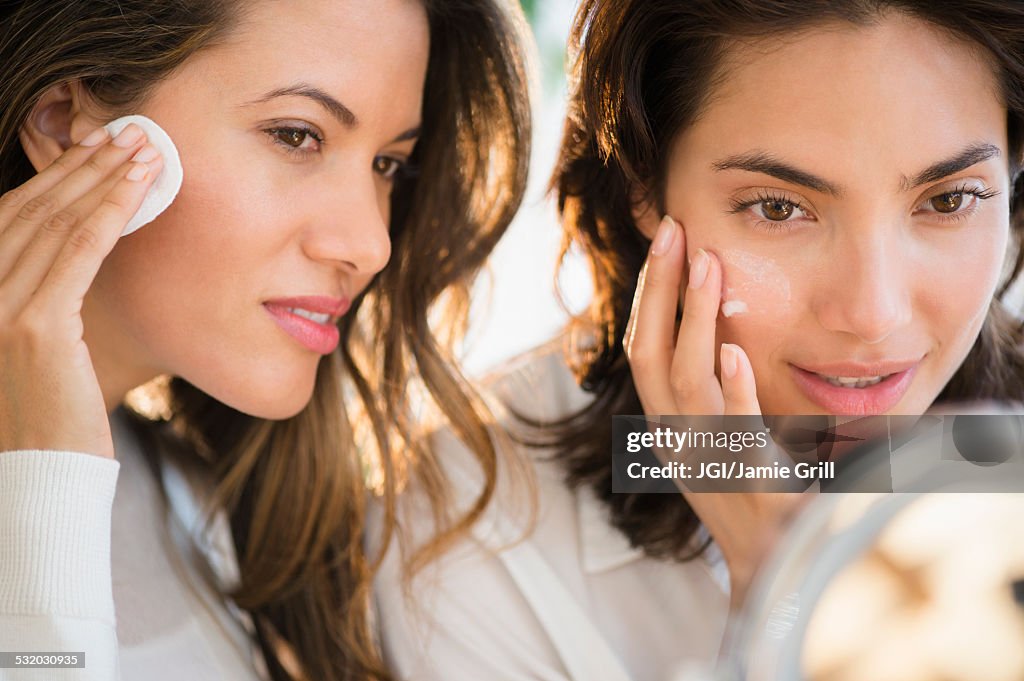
<point x="872" y="400"/>
<point x="320" y="338"/>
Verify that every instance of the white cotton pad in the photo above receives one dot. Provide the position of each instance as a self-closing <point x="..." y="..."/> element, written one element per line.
<point x="163" y="190"/>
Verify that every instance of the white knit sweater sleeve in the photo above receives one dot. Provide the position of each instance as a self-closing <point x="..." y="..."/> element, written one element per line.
<point x="55" y="578"/>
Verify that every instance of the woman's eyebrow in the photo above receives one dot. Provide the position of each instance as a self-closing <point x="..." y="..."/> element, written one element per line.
<point x="974" y="153"/>
<point x="410" y="134"/>
<point x="338" y="110"/>
<point x="763" y="162"/>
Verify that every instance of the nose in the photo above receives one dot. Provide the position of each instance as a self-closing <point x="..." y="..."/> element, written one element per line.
<point x="867" y="293"/>
<point x="350" y="227"/>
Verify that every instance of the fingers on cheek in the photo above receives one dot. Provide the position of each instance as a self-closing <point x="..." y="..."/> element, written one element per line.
<point x="737" y="376"/>
<point x="702" y="288"/>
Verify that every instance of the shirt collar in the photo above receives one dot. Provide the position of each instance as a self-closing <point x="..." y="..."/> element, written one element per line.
<point x="602" y="546"/>
<point x="189" y="496"/>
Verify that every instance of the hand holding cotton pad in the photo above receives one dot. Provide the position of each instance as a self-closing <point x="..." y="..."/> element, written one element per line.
<point x="165" y="188"/>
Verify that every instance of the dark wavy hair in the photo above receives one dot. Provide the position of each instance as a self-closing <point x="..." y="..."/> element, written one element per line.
<point x="641" y="72"/>
<point x="296" y="489"/>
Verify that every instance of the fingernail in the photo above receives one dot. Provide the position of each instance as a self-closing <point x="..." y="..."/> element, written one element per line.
<point x="137" y="172"/>
<point x="699" y="269"/>
<point x="730" y="360"/>
<point x="129" y="136"/>
<point x="664" y="237"/>
<point x="94" y="137"/>
<point x="146" y="154"/>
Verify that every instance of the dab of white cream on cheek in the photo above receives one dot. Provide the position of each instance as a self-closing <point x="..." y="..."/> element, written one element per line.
<point x="757" y="277"/>
<point x="733" y="307"/>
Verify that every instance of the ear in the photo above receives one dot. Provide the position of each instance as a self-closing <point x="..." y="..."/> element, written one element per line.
<point x="62" y="117"/>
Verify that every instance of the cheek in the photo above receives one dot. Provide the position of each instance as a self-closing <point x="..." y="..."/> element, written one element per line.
<point x="191" y="248"/>
<point x="977" y="264"/>
<point x="221" y="226"/>
<point x="954" y="304"/>
<point x="186" y="289"/>
<point x="753" y="285"/>
<point x="758" y="303"/>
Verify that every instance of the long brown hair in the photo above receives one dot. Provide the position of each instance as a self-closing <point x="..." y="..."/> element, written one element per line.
<point x="642" y="70"/>
<point x="296" y="489"/>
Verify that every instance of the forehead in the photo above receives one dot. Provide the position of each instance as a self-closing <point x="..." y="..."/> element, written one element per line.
<point x="317" y="28"/>
<point x="372" y="54"/>
<point x="895" y="94"/>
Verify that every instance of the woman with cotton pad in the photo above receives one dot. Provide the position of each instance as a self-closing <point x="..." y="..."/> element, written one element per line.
<point x="210" y="365"/>
<point x="166" y="184"/>
<point x="846" y="171"/>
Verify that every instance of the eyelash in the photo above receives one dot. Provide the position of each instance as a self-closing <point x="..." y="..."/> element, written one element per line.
<point x="292" y="129"/>
<point x="769" y="226"/>
<point x="777" y="226"/>
<point x="981" y="194"/>
<point x="399" y="168"/>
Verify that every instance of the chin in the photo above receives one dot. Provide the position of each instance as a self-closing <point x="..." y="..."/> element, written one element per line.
<point x="277" y="412"/>
<point x="270" y="402"/>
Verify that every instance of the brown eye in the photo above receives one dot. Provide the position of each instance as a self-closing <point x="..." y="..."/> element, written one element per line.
<point x="947" y="203"/>
<point x="296" y="139"/>
<point x="777" y="210"/>
<point x="291" y="136"/>
<point x="773" y="213"/>
<point x="387" y="167"/>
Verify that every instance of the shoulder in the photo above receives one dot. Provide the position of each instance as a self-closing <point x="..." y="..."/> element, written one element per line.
<point x="537" y="384"/>
<point x="535" y="387"/>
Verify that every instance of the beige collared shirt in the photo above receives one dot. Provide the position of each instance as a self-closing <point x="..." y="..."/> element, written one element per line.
<point x="571" y="601"/>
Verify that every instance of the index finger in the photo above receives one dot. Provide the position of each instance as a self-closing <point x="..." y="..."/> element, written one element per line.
<point x="48" y="178"/>
<point x="79" y="259"/>
<point x="696" y="387"/>
<point x="650" y="334"/>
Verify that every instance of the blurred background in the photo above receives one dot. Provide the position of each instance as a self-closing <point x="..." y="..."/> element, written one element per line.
<point x="515" y="306"/>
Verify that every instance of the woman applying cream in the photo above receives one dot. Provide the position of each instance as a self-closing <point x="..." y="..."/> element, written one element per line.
<point x="838" y="232"/>
<point x="314" y="152"/>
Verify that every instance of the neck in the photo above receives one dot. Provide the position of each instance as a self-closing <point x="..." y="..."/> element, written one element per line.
<point x="115" y="380"/>
<point x="117" y="367"/>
